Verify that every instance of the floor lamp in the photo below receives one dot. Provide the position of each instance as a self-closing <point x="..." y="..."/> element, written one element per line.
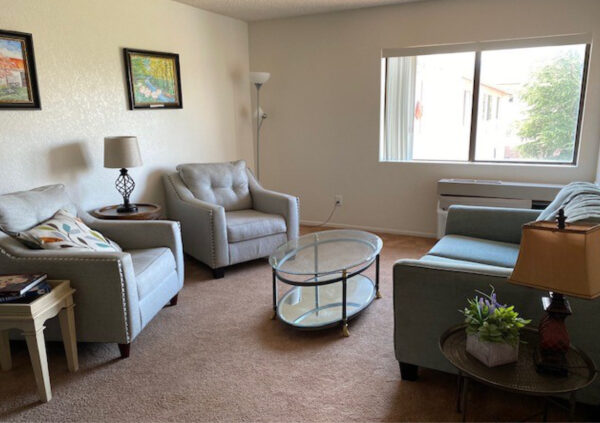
<point x="258" y="79"/>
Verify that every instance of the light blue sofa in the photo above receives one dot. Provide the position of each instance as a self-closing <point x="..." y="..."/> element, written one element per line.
<point x="479" y="249"/>
<point x="116" y="293"/>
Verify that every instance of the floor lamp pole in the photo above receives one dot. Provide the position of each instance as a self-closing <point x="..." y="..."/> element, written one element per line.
<point x="258" y="125"/>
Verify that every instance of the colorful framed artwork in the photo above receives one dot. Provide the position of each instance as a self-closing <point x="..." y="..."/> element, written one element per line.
<point x="18" y="78"/>
<point x="153" y="79"/>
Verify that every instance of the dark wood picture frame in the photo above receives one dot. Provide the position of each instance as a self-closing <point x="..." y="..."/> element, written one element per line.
<point x="133" y="83"/>
<point x="27" y="70"/>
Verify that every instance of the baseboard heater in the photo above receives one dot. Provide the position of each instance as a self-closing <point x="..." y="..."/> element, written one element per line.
<point x="473" y="192"/>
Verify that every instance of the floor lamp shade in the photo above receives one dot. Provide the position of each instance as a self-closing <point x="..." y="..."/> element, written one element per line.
<point x="566" y="261"/>
<point x="121" y="152"/>
<point x="259" y="77"/>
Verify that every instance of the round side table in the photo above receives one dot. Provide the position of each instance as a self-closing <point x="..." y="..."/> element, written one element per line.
<point x="520" y="377"/>
<point x="145" y="211"/>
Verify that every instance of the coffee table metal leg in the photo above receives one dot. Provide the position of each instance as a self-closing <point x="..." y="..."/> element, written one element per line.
<point x="274" y="316"/>
<point x="345" y="331"/>
<point x="377" y="293"/>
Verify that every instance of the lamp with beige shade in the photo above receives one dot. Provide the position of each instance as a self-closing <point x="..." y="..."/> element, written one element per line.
<point x="563" y="259"/>
<point x="122" y="153"/>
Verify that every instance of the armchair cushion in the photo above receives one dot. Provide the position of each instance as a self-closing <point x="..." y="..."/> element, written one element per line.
<point x="151" y="267"/>
<point x="493" y="253"/>
<point x="243" y="225"/>
<point x="22" y="210"/>
<point x="225" y="184"/>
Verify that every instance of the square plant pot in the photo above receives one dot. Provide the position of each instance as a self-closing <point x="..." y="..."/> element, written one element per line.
<point x="492" y="354"/>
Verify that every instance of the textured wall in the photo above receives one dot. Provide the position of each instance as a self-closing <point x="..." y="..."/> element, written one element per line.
<point x="78" y="46"/>
<point x="323" y="101"/>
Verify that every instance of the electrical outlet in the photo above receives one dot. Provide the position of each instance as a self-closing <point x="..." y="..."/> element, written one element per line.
<point x="339" y="200"/>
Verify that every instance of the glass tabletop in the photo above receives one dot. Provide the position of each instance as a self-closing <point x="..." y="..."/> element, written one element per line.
<point x="326" y="253"/>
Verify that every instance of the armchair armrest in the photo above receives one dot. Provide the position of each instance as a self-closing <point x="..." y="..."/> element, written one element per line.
<point x="273" y="202"/>
<point x="136" y="234"/>
<point x="106" y="298"/>
<point x="493" y="223"/>
<point x="202" y="223"/>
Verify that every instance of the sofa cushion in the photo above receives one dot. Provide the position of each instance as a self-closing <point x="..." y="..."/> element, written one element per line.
<point x="494" y="253"/>
<point x="225" y="184"/>
<point x="243" y="225"/>
<point x="63" y="230"/>
<point x="151" y="267"/>
<point x="23" y="210"/>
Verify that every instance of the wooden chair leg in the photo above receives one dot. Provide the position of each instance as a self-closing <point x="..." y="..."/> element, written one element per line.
<point x="219" y="273"/>
<point x="124" y="349"/>
<point x="409" y="372"/>
<point x="173" y="301"/>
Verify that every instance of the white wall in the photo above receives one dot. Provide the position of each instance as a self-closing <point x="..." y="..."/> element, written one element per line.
<point x="323" y="101"/>
<point x="78" y="50"/>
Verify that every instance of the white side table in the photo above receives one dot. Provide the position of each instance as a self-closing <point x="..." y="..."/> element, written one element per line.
<point x="30" y="318"/>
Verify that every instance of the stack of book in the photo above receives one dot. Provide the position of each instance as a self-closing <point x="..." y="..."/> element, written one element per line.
<point x="23" y="287"/>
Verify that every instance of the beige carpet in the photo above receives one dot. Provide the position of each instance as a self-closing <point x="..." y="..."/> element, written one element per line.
<point x="218" y="357"/>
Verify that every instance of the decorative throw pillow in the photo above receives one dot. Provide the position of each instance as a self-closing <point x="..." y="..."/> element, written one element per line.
<point x="64" y="230"/>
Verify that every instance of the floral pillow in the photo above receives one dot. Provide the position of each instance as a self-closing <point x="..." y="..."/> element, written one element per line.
<point x="63" y="230"/>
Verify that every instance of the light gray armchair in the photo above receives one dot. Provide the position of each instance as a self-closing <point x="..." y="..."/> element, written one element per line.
<point x="116" y="293"/>
<point x="227" y="217"/>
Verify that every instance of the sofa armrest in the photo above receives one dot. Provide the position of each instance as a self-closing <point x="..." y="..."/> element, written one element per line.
<point x="284" y="205"/>
<point x="203" y="225"/>
<point x="427" y="300"/>
<point x="106" y="298"/>
<point x="493" y="223"/>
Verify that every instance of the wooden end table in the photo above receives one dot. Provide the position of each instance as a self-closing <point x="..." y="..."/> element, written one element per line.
<point x="30" y="318"/>
<point x="145" y="211"/>
<point x="520" y="377"/>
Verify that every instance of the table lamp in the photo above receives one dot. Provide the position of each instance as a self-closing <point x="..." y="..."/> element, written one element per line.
<point x="562" y="259"/>
<point x="122" y="153"/>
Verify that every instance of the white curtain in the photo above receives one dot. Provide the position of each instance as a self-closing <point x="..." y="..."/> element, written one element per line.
<point x="399" y="107"/>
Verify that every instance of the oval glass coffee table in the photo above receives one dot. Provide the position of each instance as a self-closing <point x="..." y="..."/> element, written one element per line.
<point x="325" y="270"/>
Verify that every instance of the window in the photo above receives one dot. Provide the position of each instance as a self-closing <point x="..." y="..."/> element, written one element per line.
<point x="490" y="102"/>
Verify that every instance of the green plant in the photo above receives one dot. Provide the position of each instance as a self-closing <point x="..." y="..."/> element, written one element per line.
<point x="492" y="321"/>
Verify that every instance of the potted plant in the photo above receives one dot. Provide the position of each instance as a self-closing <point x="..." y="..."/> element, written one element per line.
<point x="492" y="330"/>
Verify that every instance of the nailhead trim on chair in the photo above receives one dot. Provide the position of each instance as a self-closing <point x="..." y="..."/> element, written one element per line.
<point x="121" y="276"/>
<point x="212" y="234"/>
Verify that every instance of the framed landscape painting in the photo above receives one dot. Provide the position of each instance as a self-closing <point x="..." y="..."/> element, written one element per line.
<point x="154" y="80"/>
<point x="18" y="80"/>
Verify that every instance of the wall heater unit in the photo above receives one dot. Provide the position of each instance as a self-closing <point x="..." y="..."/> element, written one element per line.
<point x="473" y="192"/>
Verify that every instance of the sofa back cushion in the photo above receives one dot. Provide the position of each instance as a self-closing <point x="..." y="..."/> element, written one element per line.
<point x="20" y="211"/>
<point x="225" y="184"/>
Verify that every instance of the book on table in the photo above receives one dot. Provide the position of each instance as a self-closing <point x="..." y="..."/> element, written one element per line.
<point x="34" y="293"/>
<point x="16" y="285"/>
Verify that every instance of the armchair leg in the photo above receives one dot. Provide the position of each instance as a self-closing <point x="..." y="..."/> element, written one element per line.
<point x="173" y="301"/>
<point x="124" y="349"/>
<point x="219" y="273"/>
<point x="409" y="372"/>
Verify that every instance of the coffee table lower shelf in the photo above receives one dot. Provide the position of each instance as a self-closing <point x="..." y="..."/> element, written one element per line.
<point x="320" y="307"/>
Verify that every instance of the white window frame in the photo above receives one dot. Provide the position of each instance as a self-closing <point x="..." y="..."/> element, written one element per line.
<point x="478" y="48"/>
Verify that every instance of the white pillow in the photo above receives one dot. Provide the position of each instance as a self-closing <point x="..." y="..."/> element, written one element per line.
<point x="63" y="230"/>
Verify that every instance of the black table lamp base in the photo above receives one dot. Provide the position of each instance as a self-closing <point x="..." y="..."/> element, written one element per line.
<point x="125" y="185"/>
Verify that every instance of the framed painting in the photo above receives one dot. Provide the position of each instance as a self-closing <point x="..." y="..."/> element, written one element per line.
<point x="153" y="79"/>
<point x="18" y="78"/>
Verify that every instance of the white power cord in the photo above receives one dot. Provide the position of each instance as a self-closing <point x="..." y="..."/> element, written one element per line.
<point x="335" y="206"/>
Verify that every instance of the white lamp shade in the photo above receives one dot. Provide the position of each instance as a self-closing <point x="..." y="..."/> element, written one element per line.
<point x="259" y="77"/>
<point x="121" y="152"/>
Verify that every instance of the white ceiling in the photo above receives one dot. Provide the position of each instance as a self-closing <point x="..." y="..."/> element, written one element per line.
<point x="254" y="10"/>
